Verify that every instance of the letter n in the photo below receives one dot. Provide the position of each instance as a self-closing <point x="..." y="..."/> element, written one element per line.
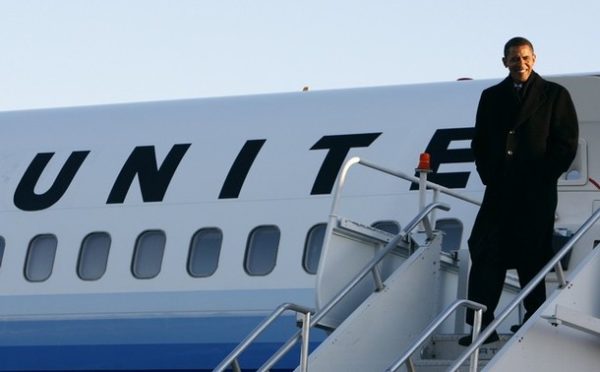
<point x="153" y="180"/>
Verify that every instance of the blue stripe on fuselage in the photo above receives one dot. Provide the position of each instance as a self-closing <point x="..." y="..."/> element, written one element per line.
<point x="154" y="343"/>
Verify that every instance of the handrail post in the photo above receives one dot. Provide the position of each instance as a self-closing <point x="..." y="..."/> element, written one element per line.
<point x="423" y="168"/>
<point x="477" y="318"/>
<point x="341" y="182"/>
<point x="436" y="197"/>
<point x="379" y="286"/>
<point x="305" y="339"/>
<point x="235" y="366"/>
<point x="428" y="228"/>
<point x="560" y="275"/>
<point x="422" y="188"/>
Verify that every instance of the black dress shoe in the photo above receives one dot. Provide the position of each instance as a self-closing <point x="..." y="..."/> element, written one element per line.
<point x="515" y="328"/>
<point x="466" y="340"/>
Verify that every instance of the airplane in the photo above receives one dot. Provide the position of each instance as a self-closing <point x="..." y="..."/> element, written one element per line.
<point x="157" y="235"/>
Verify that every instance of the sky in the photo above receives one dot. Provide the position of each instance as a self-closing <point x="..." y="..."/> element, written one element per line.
<point x="57" y="53"/>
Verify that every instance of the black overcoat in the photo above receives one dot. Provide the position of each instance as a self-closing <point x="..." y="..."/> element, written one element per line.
<point x="521" y="147"/>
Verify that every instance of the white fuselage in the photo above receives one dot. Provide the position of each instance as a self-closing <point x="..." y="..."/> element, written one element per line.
<point x="235" y="164"/>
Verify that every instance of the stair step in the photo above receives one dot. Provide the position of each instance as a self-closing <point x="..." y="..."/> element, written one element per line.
<point x="447" y="347"/>
<point x="442" y="365"/>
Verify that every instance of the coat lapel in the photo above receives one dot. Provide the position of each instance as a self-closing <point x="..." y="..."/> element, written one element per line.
<point x="534" y="98"/>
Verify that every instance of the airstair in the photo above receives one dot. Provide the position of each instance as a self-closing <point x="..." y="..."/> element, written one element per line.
<point x="396" y="303"/>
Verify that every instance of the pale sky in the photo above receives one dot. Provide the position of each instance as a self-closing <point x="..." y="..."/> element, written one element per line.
<point x="69" y="53"/>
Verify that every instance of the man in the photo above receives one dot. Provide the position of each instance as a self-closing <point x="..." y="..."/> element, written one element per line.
<point x="526" y="136"/>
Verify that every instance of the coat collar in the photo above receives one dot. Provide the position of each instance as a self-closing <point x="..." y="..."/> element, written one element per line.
<point x="534" y="98"/>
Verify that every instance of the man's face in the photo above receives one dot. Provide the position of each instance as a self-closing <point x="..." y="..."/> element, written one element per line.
<point x="519" y="61"/>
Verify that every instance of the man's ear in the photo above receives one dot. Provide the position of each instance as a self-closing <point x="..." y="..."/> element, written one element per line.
<point x="504" y="61"/>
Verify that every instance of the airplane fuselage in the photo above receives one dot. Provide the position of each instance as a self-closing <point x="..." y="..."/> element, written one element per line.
<point x="106" y="208"/>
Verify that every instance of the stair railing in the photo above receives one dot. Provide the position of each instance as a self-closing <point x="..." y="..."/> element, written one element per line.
<point x="437" y="189"/>
<point x="356" y="160"/>
<point x="479" y="309"/>
<point x="232" y="359"/>
<point x="314" y="320"/>
<point x="526" y="290"/>
<point x="368" y="268"/>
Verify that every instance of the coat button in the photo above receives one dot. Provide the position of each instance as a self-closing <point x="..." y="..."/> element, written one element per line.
<point x="509" y="152"/>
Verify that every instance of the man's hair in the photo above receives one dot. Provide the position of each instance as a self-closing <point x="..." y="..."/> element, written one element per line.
<point x="515" y="42"/>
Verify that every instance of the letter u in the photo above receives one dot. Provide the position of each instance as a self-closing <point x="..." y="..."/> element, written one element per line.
<point x="25" y="197"/>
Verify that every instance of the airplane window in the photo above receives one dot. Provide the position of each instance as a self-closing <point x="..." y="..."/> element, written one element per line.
<point x="93" y="256"/>
<point x="40" y="257"/>
<point x="453" y="229"/>
<point x="388" y="226"/>
<point x="312" y="248"/>
<point x="2" y="243"/>
<point x="204" y="253"/>
<point x="261" y="250"/>
<point x="148" y="255"/>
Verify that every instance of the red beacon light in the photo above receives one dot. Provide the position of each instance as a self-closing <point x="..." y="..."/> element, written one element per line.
<point x="424" y="162"/>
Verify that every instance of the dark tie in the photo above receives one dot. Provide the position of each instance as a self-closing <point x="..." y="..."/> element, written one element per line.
<point x="519" y="89"/>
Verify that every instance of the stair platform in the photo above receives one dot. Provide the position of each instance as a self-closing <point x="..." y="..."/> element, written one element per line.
<point x="443" y="349"/>
<point x="445" y="346"/>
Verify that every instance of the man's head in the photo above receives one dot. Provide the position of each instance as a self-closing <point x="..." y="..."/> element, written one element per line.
<point x="519" y="58"/>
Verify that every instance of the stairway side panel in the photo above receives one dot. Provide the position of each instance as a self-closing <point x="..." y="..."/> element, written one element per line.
<point x="384" y="325"/>
<point x="540" y="346"/>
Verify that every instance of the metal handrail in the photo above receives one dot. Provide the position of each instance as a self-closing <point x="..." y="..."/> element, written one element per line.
<point x="364" y="272"/>
<point x="526" y="290"/>
<point x="356" y="160"/>
<point x="479" y="309"/>
<point x="231" y="359"/>
<point x="434" y="186"/>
